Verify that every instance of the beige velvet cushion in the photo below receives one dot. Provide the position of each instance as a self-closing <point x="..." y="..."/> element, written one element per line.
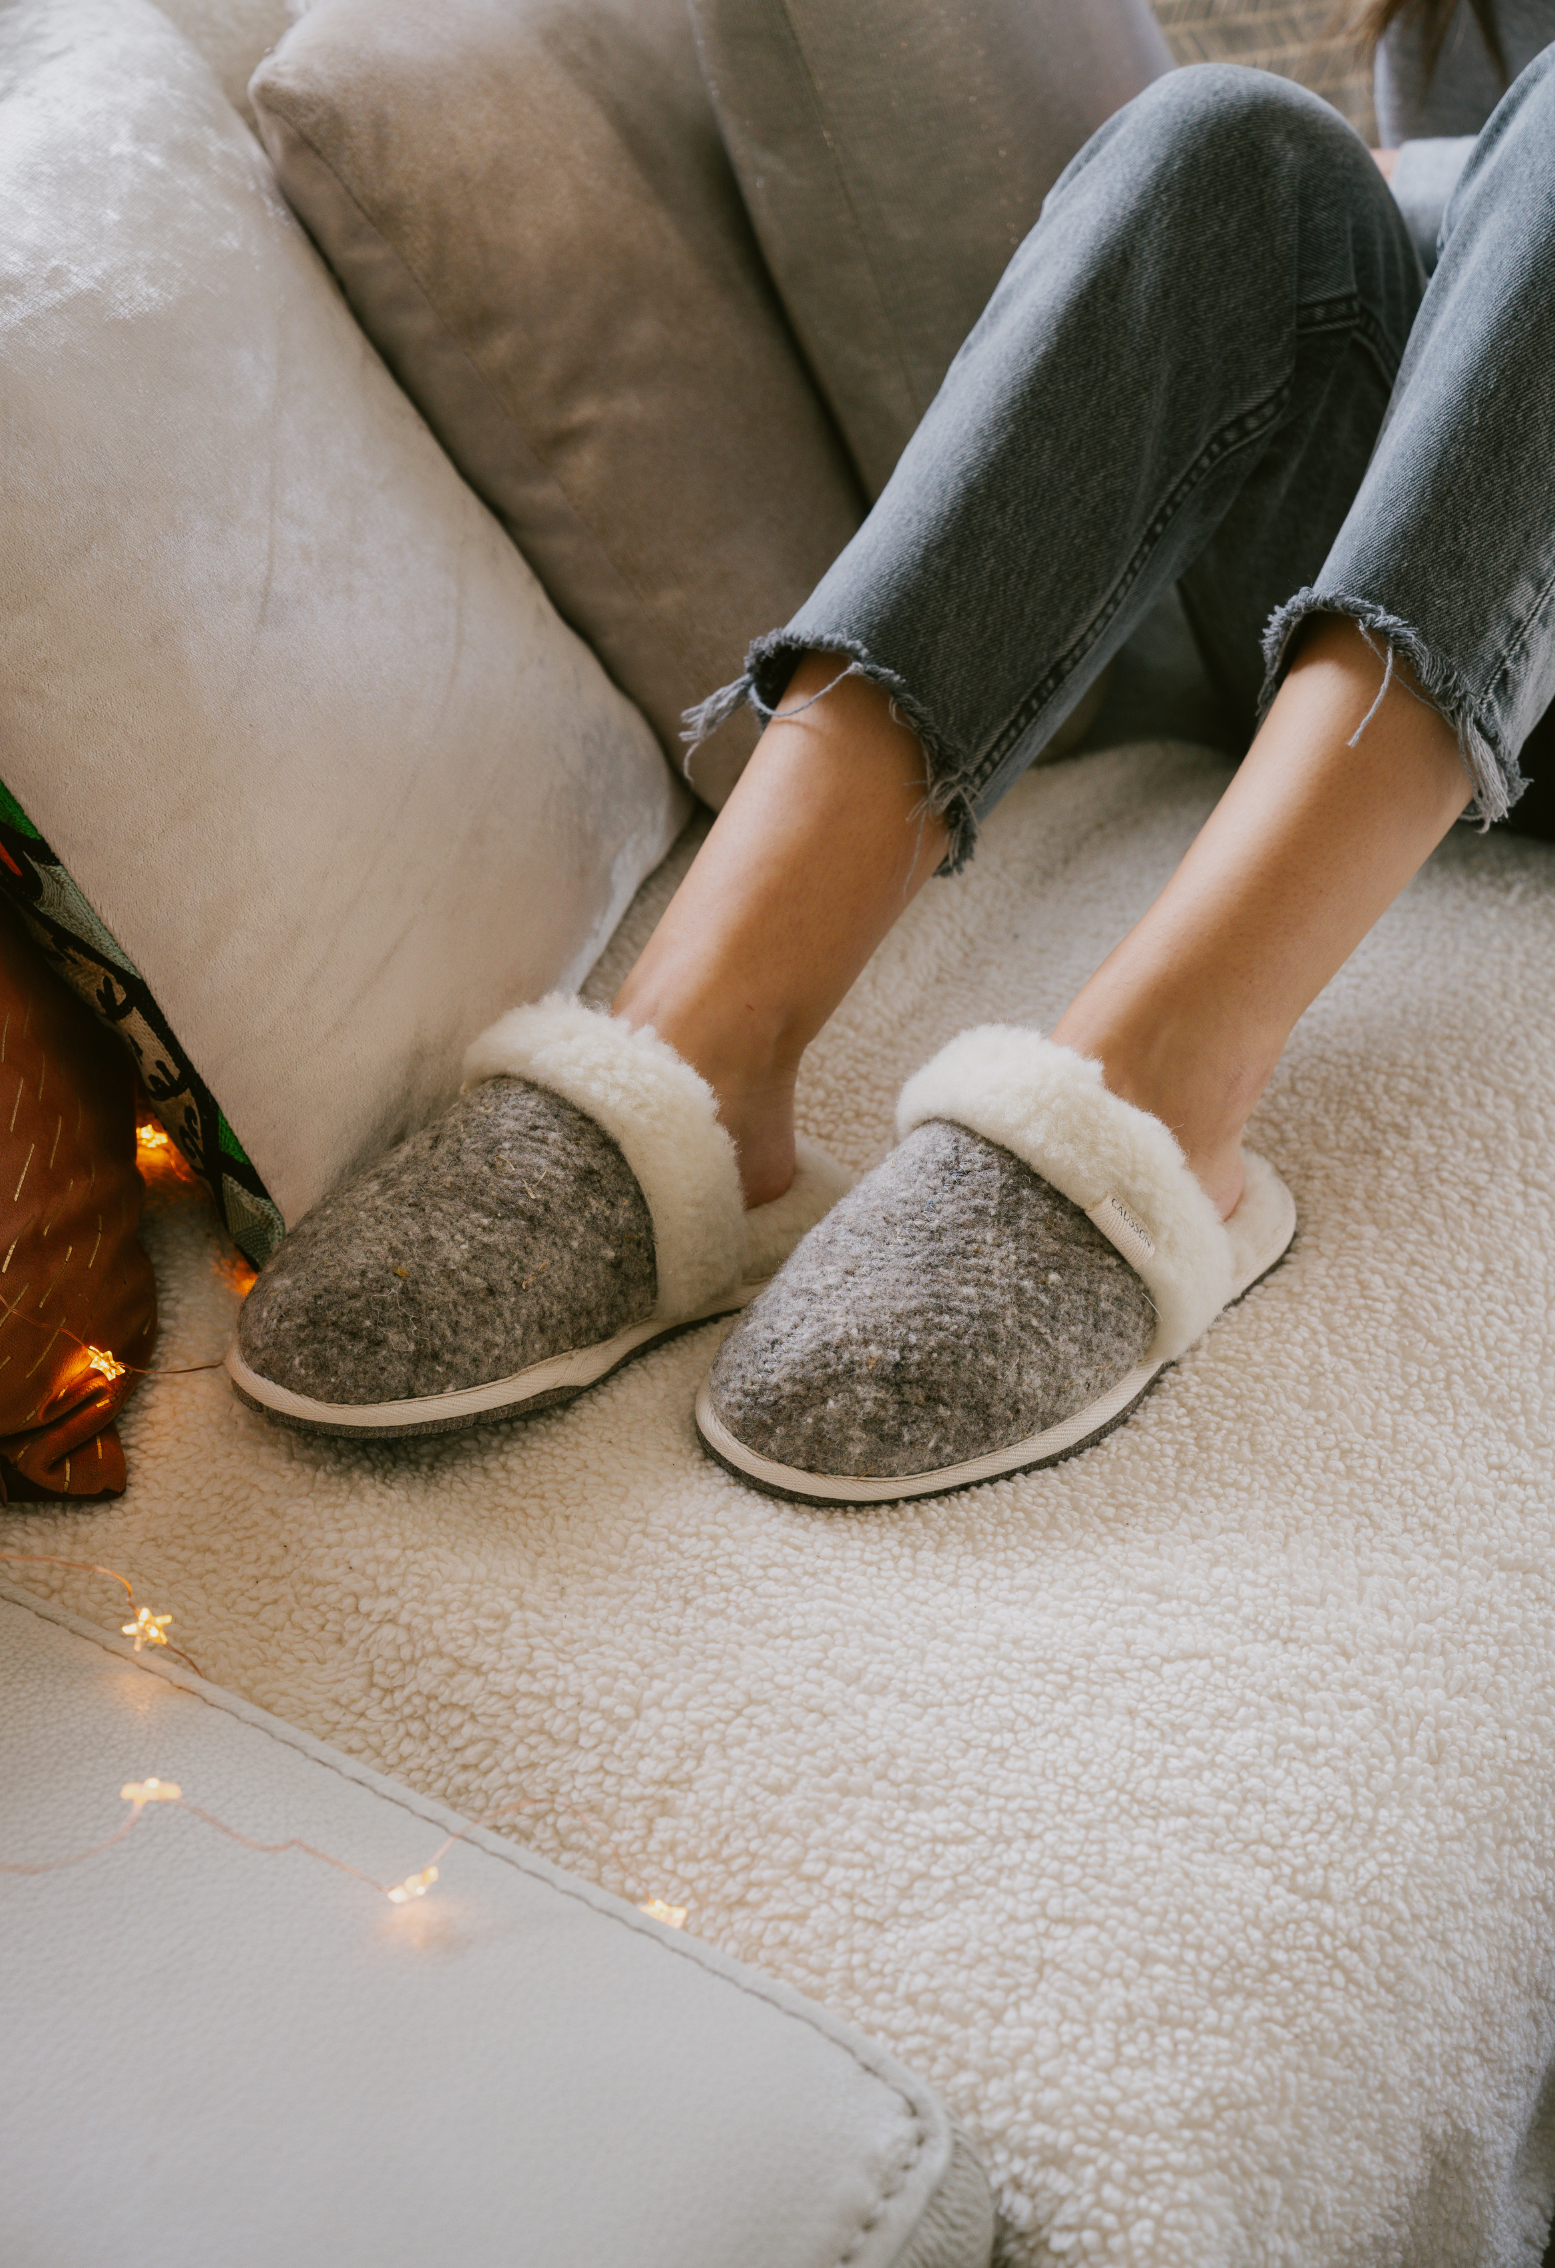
<point x="530" y="212"/>
<point x="233" y="36"/>
<point x="334" y="782"/>
<point x="893" y="153"/>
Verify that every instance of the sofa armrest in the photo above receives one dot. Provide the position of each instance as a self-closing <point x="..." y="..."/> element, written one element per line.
<point x="215" y="2054"/>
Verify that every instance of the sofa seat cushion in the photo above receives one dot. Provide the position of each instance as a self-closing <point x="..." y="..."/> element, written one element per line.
<point x="312" y="782"/>
<point x="1185" y="1814"/>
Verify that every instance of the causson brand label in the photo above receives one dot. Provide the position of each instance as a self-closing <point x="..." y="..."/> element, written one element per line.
<point x="1122" y="1228"/>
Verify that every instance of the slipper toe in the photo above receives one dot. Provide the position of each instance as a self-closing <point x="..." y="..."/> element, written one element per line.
<point x="953" y="1304"/>
<point x="997" y="1295"/>
<point x="579" y="1202"/>
<point x="509" y="1231"/>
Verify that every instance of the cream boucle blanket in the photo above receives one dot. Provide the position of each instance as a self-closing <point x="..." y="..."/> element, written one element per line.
<point x="1185" y="1814"/>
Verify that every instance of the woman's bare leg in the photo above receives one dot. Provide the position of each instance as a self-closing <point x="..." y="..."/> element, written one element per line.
<point x="822" y="844"/>
<point x="1309" y="845"/>
<point x="825" y="841"/>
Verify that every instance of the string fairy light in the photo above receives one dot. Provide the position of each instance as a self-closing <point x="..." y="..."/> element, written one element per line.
<point x="413" y="1886"/>
<point x="140" y="1794"/>
<point x="102" y="1360"/>
<point x="147" y="1629"/>
<point x="150" y="1629"/>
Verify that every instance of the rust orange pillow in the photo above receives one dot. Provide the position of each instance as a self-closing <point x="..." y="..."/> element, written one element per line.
<point x="78" y="1302"/>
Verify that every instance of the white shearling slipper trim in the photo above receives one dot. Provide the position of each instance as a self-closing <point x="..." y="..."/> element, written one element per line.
<point x="773" y="1230"/>
<point x="1123" y="1168"/>
<point x="1264" y="1221"/>
<point x="664" y="1119"/>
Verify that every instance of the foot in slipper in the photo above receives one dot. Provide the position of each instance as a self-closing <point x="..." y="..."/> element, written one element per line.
<point x="998" y="1294"/>
<point x="579" y="1202"/>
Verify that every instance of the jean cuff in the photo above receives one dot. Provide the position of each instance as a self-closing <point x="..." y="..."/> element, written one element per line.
<point x="948" y="786"/>
<point x="1493" y="769"/>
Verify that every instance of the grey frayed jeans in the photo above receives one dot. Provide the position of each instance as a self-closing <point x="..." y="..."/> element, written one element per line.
<point x="1216" y="362"/>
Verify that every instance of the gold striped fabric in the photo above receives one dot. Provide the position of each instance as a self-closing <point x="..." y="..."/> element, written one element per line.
<point x="1305" y="40"/>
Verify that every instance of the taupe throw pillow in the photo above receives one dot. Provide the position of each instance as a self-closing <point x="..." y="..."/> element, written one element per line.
<point x="893" y="153"/>
<point x="531" y="213"/>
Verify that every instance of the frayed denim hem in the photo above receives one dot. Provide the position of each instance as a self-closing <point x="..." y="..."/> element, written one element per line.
<point x="771" y="662"/>
<point x="1496" y="777"/>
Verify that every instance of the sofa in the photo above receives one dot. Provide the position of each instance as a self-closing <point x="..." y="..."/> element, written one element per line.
<point x="1145" y="1861"/>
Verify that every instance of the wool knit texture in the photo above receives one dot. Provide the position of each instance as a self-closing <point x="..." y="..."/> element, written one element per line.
<point x="509" y="1230"/>
<point x="952" y="1304"/>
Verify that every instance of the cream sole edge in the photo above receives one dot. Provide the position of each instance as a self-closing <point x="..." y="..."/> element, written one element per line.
<point x="1018" y="1457"/>
<point x="838" y="1488"/>
<point x="559" y="1374"/>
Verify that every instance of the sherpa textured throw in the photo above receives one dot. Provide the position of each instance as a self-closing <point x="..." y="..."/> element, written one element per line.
<point x="1185" y="1814"/>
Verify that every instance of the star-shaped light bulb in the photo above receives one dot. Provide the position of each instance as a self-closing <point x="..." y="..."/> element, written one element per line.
<point x="147" y="1629"/>
<point x="142" y="1792"/>
<point x="105" y="1364"/>
<point x="673" y="1917"/>
<point x="413" y="1886"/>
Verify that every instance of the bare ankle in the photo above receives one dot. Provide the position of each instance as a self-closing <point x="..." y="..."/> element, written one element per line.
<point x="751" y="1071"/>
<point x="1204" y="1094"/>
<point x="813" y="858"/>
<point x="762" y="1128"/>
<point x="1219" y="1174"/>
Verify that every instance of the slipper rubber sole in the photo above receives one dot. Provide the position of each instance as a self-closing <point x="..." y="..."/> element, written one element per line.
<point x="543" y="1386"/>
<point x="1081" y="1430"/>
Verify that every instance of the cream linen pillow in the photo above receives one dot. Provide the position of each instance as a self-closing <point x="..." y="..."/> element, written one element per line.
<point x="306" y="780"/>
<point x="529" y="209"/>
<point x="893" y="154"/>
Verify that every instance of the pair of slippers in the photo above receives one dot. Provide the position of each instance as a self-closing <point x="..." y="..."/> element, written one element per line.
<point x="999" y="1293"/>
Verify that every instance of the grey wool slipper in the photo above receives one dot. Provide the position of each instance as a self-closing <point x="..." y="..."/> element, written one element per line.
<point x="998" y="1294"/>
<point x="578" y="1202"/>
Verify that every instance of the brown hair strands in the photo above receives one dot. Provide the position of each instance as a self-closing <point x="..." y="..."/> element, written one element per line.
<point x="1433" y="18"/>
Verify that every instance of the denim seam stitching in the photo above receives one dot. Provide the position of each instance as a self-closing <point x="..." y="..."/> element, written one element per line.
<point x="1516" y="644"/>
<point x="1238" y="433"/>
<point x="1345" y="313"/>
<point x="1351" y="313"/>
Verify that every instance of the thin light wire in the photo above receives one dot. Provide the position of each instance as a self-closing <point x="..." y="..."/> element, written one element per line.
<point x="76" y="1858"/>
<point x="92" y="1567"/>
<point x="141" y="1794"/>
<point x="411" y="1886"/>
<point x="63" y="1330"/>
